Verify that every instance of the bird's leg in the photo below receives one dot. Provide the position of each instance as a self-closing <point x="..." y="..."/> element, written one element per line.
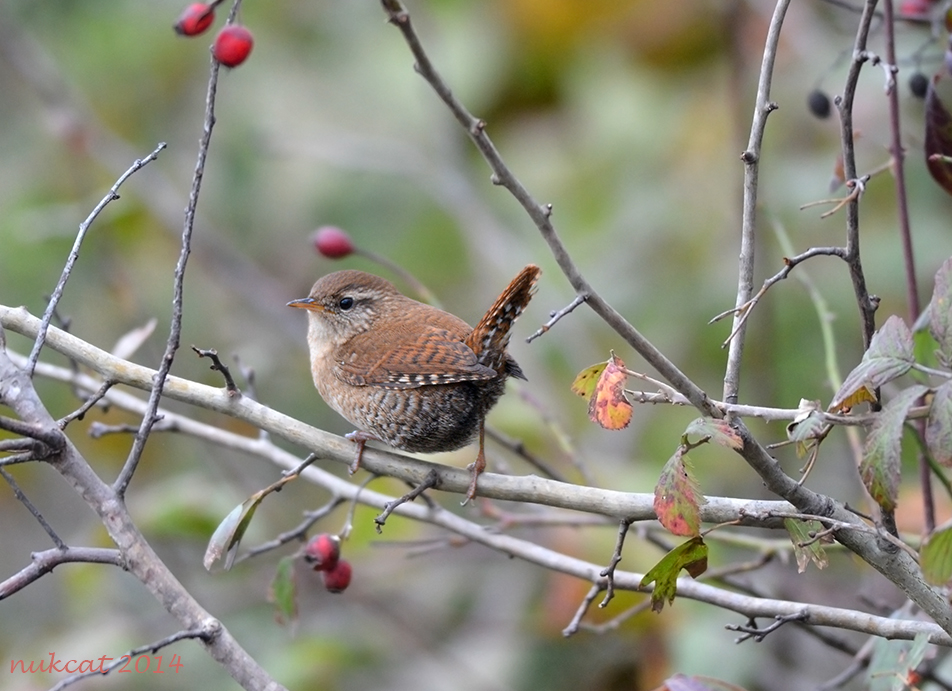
<point x="359" y="437"/>
<point x="477" y="466"/>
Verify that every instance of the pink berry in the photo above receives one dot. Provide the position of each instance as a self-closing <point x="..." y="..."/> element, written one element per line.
<point x="337" y="579"/>
<point x="195" y="19"/>
<point x="332" y="242"/>
<point x="322" y="551"/>
<point x="233" y="45"/>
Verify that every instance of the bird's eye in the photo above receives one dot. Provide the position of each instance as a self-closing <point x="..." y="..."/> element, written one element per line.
<point x="345" y="303"/>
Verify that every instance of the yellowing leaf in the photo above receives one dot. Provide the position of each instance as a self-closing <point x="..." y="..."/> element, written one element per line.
<point x="585" y="381"/>
<point x="718" y="431"/>
<point x="690" y="556"/>
<point x="890" y="355"/>
<point x="678" y="497"/>
<point x="608" y="406"/>
<point x="805" y="545"/>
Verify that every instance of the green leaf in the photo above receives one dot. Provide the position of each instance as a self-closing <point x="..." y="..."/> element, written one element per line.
<point x="892" y="662"/>
<point x="718" y="431"/>
<point x="678" y="497"/>
<point x="228" y="534"/>
<point x="585" y="381"/>
<point x="283" y="592"/>
<point x="940" y="312"/>
<point x="935" y="555"/>
<point x="806" y="546"/>
<point x="890" y="355"/>
<point x="939" y="425"/>
<point x="690" y="556"/>
<point x="879" y="468"/>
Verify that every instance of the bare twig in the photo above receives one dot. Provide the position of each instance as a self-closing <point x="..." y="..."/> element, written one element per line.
<point x="172" y="345"/>
<point x="751" y="158"/>
<point x="44" y="562"/>
<point x="219" y="366"/>
<point x="111" y="196"/>
<point x="556" y="316"/>
<point x="32" y="509"/>
<point x="204" y="633"/>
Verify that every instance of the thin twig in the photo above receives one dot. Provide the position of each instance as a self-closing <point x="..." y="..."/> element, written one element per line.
<point x="111" y="196"/>
<point x="556" y="316"/>
<point x="219" y="366"/>
<point x="205" y="633"/>
<point x="763" y="106"/>
<point x="172" y="345"/>
<point x="32" y="509"/>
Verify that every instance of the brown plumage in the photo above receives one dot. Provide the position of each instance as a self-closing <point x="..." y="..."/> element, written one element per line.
<point x="406" y="373"/>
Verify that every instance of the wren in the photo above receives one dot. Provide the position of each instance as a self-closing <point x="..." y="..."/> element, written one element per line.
<point x="409" y="374"/>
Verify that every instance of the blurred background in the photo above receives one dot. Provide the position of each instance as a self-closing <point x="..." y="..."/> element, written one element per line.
<point x="629" y="116"/>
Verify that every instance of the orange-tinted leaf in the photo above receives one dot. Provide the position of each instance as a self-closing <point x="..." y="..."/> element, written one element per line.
<point x="805" y="545"/>
<point x="608" y="406"/>
<point x="939" y="426"/>
<point x="228" y="534"/>
<point x="718" y="431"/>
<point x="935" y="555"/>
<point x="879" y="468"/>
<point x="890" y="355"/>
<point x="283" y="592"/>
<point x="690" y="556"/>
<point x="938" y="136"/>
<point x="940" y="312"/>
<point x="585" y="381"/>
<point x="678" y="497"/>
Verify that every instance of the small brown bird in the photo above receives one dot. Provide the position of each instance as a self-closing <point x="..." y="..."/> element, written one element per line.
<point x="406" y="373"/>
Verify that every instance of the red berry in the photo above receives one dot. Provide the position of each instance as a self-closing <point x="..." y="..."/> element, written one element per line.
<point x="233" y="45"/>
<point x="333" y="242"/>
<point x="195" y="19"/>
<point x="322" y="551"/>
<point x="915" y="8"/>
<point x="337" y="579"/>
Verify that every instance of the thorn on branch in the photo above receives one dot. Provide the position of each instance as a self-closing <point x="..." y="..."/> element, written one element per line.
<point x="218" y="366"/>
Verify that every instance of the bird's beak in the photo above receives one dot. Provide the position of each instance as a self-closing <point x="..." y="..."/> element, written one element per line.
<point x="307" y="304"/>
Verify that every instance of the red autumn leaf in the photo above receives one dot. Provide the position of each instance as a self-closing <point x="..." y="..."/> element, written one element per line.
<point x="678" y="497"/>
<point x="608" y="405"/>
